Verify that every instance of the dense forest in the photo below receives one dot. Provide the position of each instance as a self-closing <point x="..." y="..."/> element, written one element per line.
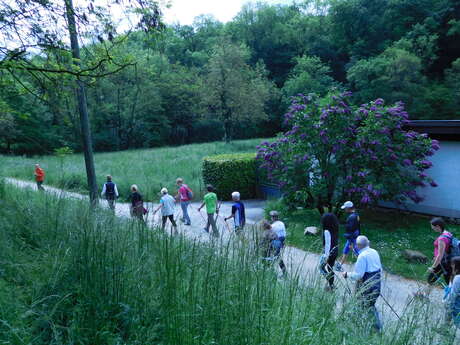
<point x="210" y="80"/>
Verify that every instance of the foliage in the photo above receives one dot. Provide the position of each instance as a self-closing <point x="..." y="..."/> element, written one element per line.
<point x="402" y="50"/>
<point x="234" y="92"/>
<point x="309" y="75"/>
<point x="335" y="152"/>
<point x="228" y="173"/>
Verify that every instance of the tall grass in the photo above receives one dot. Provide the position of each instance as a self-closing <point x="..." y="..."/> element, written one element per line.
<point x="74" y="276"/>
<point x="150" y="169"/>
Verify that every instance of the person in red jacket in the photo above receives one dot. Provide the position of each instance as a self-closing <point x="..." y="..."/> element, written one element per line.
<point x="39" y="176"/>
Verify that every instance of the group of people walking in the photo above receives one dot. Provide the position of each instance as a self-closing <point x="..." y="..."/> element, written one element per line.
<point x="367" y="270"/>
<point x="184" y="197"/>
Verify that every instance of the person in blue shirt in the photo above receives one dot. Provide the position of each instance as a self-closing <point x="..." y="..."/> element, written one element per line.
<point x="368" y="274"/>
<point x="352" y="231"/>
<point x="238" y="214"/>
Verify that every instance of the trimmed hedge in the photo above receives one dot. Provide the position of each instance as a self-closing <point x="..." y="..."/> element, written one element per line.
<point x="231" y="172"/>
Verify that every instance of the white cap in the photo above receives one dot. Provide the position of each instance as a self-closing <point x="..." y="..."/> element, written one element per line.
<point x="274" y="213"/>
<point x="164" y="191"/>
<point x="347" y="204"/>
<point x="236" y="195"/>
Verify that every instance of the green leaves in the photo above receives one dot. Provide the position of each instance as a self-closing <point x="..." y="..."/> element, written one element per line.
<point x="231" y="172"/>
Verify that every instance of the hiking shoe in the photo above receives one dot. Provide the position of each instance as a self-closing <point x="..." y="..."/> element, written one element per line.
<point x="338" y="267"/>
<point x="188" y="224"/>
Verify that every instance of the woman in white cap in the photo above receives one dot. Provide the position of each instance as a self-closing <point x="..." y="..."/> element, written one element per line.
<point x="167" y="210"/>
<point x="352" y="231"/>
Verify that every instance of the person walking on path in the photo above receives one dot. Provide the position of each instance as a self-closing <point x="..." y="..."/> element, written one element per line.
<point x="368" y="274"/>
<point x="184" y="195"/>
<point x="238" y="214"/>
<point x="39" y="174"/>
<point x="271" y="246"/>
<point x="453" y="296"/>
<point x="210" y="201"/>
<point x="167" y="210"/>
<point x="278" y="227"/>
<point x="441" y="265"/>
<point x="330" y="225"/>
<point x="352" y="231"/>
<point x="137" y="203"/>
<point x="110" y="192"/>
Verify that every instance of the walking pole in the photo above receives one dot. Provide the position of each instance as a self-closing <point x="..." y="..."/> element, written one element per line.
<point x="389" y="305"/>
<point x="228" y="227"/>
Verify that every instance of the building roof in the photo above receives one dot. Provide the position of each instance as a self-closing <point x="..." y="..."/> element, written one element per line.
<point x="437" y="129"/>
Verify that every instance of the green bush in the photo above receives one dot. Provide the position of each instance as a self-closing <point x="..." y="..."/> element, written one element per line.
<point x="231" y="172"/>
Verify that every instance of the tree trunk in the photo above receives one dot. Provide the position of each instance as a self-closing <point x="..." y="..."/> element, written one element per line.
<point x="82" y="106"/>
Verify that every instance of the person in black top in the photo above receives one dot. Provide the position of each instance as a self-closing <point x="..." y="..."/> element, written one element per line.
<point x="330" y="225"/>
<point x="110" y="192"/>
<point x="137" y="203"/>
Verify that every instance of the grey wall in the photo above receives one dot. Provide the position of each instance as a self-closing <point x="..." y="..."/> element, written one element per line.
<point x="443" y="200"/>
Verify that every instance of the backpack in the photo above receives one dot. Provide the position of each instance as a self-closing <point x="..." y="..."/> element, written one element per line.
<point x="454" y="247"/>
<point x="189" y="192"/>
<point x="110" y="189"/>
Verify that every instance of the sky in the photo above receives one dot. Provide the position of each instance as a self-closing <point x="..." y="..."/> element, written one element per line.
<point x="184" y="11"/>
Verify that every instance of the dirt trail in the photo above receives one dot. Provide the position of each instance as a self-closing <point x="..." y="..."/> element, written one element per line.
<point x="397" y="291"/>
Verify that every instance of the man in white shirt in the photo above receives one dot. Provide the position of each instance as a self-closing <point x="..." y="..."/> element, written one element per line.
<point x="110" y="192"/>
<point x="367" y="273"/>
<point x="278" y="226"/>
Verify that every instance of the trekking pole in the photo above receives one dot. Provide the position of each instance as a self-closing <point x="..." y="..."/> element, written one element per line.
<point x="390" y="306"/>
<point x="228" y="227"/>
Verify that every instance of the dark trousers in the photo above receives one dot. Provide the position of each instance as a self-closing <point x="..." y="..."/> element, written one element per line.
<point x="369" y="290"/>
<point x="212" y="223"/>
<point x="330" y="264"/>
<point x="165" y="218"/>
<point x="40" y="185"/>
<point x="443" y="269"/>
<point x="111" y="202"/>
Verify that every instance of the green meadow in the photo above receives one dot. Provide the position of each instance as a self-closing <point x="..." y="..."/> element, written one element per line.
<point x="149" y="169"/>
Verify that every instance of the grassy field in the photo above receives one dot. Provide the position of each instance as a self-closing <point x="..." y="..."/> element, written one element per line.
<point x="150" y="169"/>
<point x="71" y="276"/>
<point x="389" y="231"/>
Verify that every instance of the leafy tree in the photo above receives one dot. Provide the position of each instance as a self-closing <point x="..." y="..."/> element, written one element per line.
<point x="309" y="75"/>
<point x="396" y="73"/>
<point x="334" y="151"/>
<point x="234" y="91"/>
<point x="37" y="26"/>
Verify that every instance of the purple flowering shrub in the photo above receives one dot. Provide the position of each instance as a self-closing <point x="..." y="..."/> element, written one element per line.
<point x="334" y="151"/>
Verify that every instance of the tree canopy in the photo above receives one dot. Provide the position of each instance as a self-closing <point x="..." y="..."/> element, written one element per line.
<point x="146" y="90"/>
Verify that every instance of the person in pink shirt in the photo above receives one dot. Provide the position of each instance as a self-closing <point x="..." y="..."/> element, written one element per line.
<point x="441" y="264"/>
<point x="184" y="196"/>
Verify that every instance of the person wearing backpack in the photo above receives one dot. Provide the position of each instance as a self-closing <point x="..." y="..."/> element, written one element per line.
<point x="442" y="248"/>
<point x="238" y="214"/>
<point x="184" y="195"/>
<point x="352" y="231"/>
<point x="110" y="192"/>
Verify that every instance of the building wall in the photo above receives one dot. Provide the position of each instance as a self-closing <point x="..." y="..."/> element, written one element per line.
<point x="443" y="200"/>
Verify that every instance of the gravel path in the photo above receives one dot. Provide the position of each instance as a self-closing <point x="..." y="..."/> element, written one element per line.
<point x="397" y="291"/>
